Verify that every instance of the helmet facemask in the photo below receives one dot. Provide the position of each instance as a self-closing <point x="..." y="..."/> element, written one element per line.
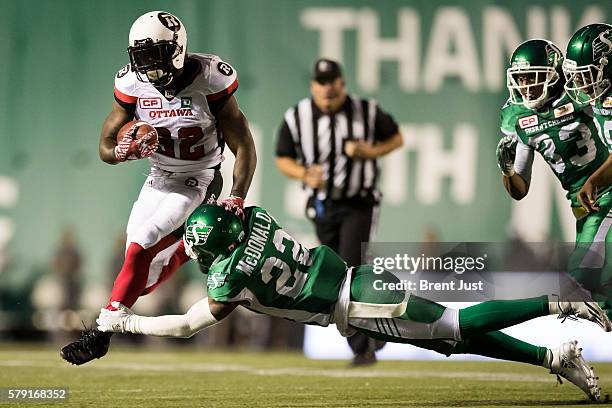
<point x="585" y="83"/>
<point x="529" y="85"/>
<point x="154" y="61"/>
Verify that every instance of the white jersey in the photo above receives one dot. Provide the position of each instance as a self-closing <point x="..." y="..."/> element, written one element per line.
<point x="188" y="136"/>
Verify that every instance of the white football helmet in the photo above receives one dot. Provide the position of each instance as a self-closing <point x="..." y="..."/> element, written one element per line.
<point x="158" y="45"/>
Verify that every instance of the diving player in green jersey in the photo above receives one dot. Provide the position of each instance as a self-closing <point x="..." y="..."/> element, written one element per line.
<point x="588" y="73"/>
<point x="540" y="116"/>
<point x="258" y="265"/>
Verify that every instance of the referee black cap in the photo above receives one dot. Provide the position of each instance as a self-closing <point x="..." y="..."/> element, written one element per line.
<point x="326" y="70"/>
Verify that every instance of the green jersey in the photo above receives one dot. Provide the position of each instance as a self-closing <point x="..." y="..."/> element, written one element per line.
<point x="602" y="117"/>
<point x="564" y="134"/>
<point x="271" y="273"/>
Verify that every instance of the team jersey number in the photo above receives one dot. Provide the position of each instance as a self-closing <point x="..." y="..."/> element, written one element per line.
<point x="583" y="140"/>
<point x="605" y="132"/>
<point x="188" y="137"/>
<point x="284" y="285"/>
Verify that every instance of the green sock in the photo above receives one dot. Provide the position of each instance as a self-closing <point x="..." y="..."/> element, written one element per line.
<point x="499" y="345"/>
<point x="498" y="314"/>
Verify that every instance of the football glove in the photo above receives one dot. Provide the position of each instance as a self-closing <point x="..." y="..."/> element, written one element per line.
<point x="234" y="204"/>
<point x="147" y="145"/>
<point x="506" y="152"/>
<point x="115" y="320"/>
<point x="133" y="149"/>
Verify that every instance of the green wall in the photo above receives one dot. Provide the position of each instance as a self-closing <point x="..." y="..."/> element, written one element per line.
<point x="59" y="59"/>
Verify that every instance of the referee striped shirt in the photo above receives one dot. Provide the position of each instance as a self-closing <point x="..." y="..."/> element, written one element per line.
<point x="313" y="137"/>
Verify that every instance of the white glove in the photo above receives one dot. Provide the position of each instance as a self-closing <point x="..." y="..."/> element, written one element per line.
<point x="117" y="321"/>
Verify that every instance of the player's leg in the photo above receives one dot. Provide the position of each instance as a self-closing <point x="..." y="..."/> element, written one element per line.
<point x="163" y="266"/>
<point x="357" y="224"/>
<point x="162" y="207"/>
<point x="92" y="343"/>
<point x="432" y="326"/>
<point x="565" y="360"/>
<point x="589" y="263"/>
<point x="481" y="318"/>
<point x="154" y="235"/>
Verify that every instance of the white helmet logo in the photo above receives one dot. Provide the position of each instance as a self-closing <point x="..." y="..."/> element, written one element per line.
<point x="602" y="45"/>
<point x="169" y="21"/>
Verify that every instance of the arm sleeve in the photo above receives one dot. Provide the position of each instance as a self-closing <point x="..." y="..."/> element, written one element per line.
<point x="384" y="125"/>
<point x="197" y="318"/>
<point x="285" y="147"/>
<point x="523" y="161"/>
<point x="218" y="104"/>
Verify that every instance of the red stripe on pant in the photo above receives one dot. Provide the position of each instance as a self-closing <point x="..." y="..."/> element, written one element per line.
<point x="132" y="279"/>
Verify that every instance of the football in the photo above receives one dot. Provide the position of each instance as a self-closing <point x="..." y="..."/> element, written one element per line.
<point x="142" y="129"/>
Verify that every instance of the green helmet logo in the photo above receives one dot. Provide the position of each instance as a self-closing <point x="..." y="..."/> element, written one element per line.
<point x="588" y="66"/>
<point x="534" y="74"/>
<point x="211" y="234"/>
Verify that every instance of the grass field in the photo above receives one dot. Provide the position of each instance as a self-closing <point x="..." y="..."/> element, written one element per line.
<point x="188" y="378"/>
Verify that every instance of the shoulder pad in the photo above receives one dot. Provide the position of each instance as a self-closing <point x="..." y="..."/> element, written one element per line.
<point x="125" y="83"/>
<point x="223" y="79"/>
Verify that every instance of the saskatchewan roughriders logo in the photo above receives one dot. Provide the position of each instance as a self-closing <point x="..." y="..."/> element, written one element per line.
<point x="197" y="234"/>
<point x="602" y="45"/>
<point x="216" y="279"/>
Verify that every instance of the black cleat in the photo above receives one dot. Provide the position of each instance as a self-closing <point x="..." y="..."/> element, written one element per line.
<point x="92" y="344"/>
<point x="363" y="359"/>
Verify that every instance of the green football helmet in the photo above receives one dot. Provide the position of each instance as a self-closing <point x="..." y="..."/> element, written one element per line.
<point x="535" y="73"/>
<point x="211" y="234"/>
<point x="588" y="63"/>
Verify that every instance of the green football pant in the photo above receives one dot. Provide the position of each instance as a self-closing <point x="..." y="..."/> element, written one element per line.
<point x="429" y="325"/>
<point x="589" y="263"/>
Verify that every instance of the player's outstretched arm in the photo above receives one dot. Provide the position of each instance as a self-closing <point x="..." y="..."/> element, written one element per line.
<point x="205" y="313"/>
<point x="237" y="135"/>
<point x="118" y="117"/>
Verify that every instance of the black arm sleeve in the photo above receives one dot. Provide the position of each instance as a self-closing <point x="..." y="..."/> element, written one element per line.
<point x="384" y="126"/>
<point x="216" y="106"/>
<point x="284" y="144"/>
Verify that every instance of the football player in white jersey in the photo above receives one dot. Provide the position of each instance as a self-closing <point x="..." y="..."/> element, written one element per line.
<point x="189" y="99"/>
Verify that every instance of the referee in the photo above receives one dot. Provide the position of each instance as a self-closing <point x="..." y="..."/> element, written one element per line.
<point x="331" y="141"/>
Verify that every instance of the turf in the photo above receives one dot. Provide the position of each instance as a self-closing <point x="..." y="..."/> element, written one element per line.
<point x="197" y="378"/>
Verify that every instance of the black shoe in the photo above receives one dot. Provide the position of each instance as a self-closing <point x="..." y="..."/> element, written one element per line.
<point x="363" y="359"/>
<point x="92" y="344"/>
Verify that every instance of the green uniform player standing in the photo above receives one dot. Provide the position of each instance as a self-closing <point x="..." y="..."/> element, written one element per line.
<point x="588" y="73"/>
<point x="540" y="116"/>
<point x="258" y="265"/>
